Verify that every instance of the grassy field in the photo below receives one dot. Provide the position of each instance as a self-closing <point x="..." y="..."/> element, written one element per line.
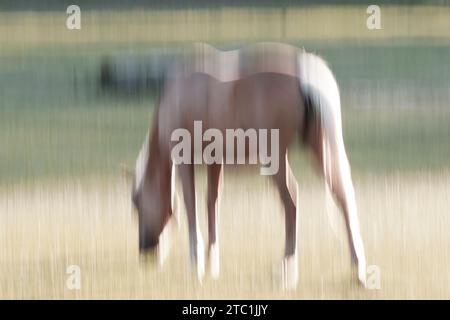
<point x="47" y="227"/>
<point x="63" y="201"/>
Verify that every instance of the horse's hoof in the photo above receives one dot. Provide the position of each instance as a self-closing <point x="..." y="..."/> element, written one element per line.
<point x="164" y="245"/>
<point x="359" y="274"/>
<point x="200" y="261"/>
<point x="362" y="275"/>
<point x="214" y="261"/>
<point x="163" y="252"/>
<point x="289" y="272"/>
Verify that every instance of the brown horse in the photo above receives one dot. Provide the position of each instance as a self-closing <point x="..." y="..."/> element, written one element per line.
<point x="263" y="86"/>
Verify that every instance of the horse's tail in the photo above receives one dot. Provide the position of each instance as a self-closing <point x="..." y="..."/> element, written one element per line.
<point x="322" y="126"/>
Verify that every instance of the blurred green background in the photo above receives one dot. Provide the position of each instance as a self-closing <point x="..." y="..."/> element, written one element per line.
<point x="56" y="122"/>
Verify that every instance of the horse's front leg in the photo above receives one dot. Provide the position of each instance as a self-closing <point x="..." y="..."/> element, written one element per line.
<point x="287" y="187"/>
<point x="196" y="247"/>
<point x="215" y="181"/>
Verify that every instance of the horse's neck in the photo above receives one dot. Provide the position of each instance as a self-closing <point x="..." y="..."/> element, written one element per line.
<point x="158" y="163"/>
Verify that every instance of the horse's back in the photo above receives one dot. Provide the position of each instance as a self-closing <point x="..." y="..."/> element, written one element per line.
<point x="263" y="100"/>
<point x="232" y="65"/>
<point x="263" y="94"/>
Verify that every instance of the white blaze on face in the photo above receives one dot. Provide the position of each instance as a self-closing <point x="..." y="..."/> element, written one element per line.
<point x="141" y="163"/>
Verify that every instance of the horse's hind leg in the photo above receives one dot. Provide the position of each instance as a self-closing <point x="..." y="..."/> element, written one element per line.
<point x="287" y="187"/>
<point x="174" y="197"/>
<point x="215" y="180"/>
<point x="345" y="194"/>
<point x="196" y="247"/>
<point x="332" y="159"/>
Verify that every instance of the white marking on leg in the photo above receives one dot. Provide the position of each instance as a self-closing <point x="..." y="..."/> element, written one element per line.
<point x="175" y="198"/>
<point x="332" y="212"/>
<point x="293" y="192"/>
<point x="164" y="245"/>
<point x="290" y="272"/>
<point x="141" y="163"/>
<point x="214" y="260"/>
<point x="200" y="248"/>
<point x="290" y="263"/>
<point x="200" y="258"/>
<point x="328" y="172"/>
<point x="214" y="254"/>
<point x="291" y="183"/>
<point x="349" y="192"/>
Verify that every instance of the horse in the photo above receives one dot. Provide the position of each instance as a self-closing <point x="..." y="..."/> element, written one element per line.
<point x="263" y="86"/>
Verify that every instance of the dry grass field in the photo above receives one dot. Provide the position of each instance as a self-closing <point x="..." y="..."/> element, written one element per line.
<point x="44" y="228"/>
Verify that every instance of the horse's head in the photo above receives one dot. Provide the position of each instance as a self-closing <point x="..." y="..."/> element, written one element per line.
<point x="151" y="196"/>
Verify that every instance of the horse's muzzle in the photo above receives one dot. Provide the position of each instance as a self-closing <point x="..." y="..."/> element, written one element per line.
<point x="148" y="244"/>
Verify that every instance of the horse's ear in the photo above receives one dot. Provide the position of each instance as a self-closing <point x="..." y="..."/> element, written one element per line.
<point x="127" y="173"/>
